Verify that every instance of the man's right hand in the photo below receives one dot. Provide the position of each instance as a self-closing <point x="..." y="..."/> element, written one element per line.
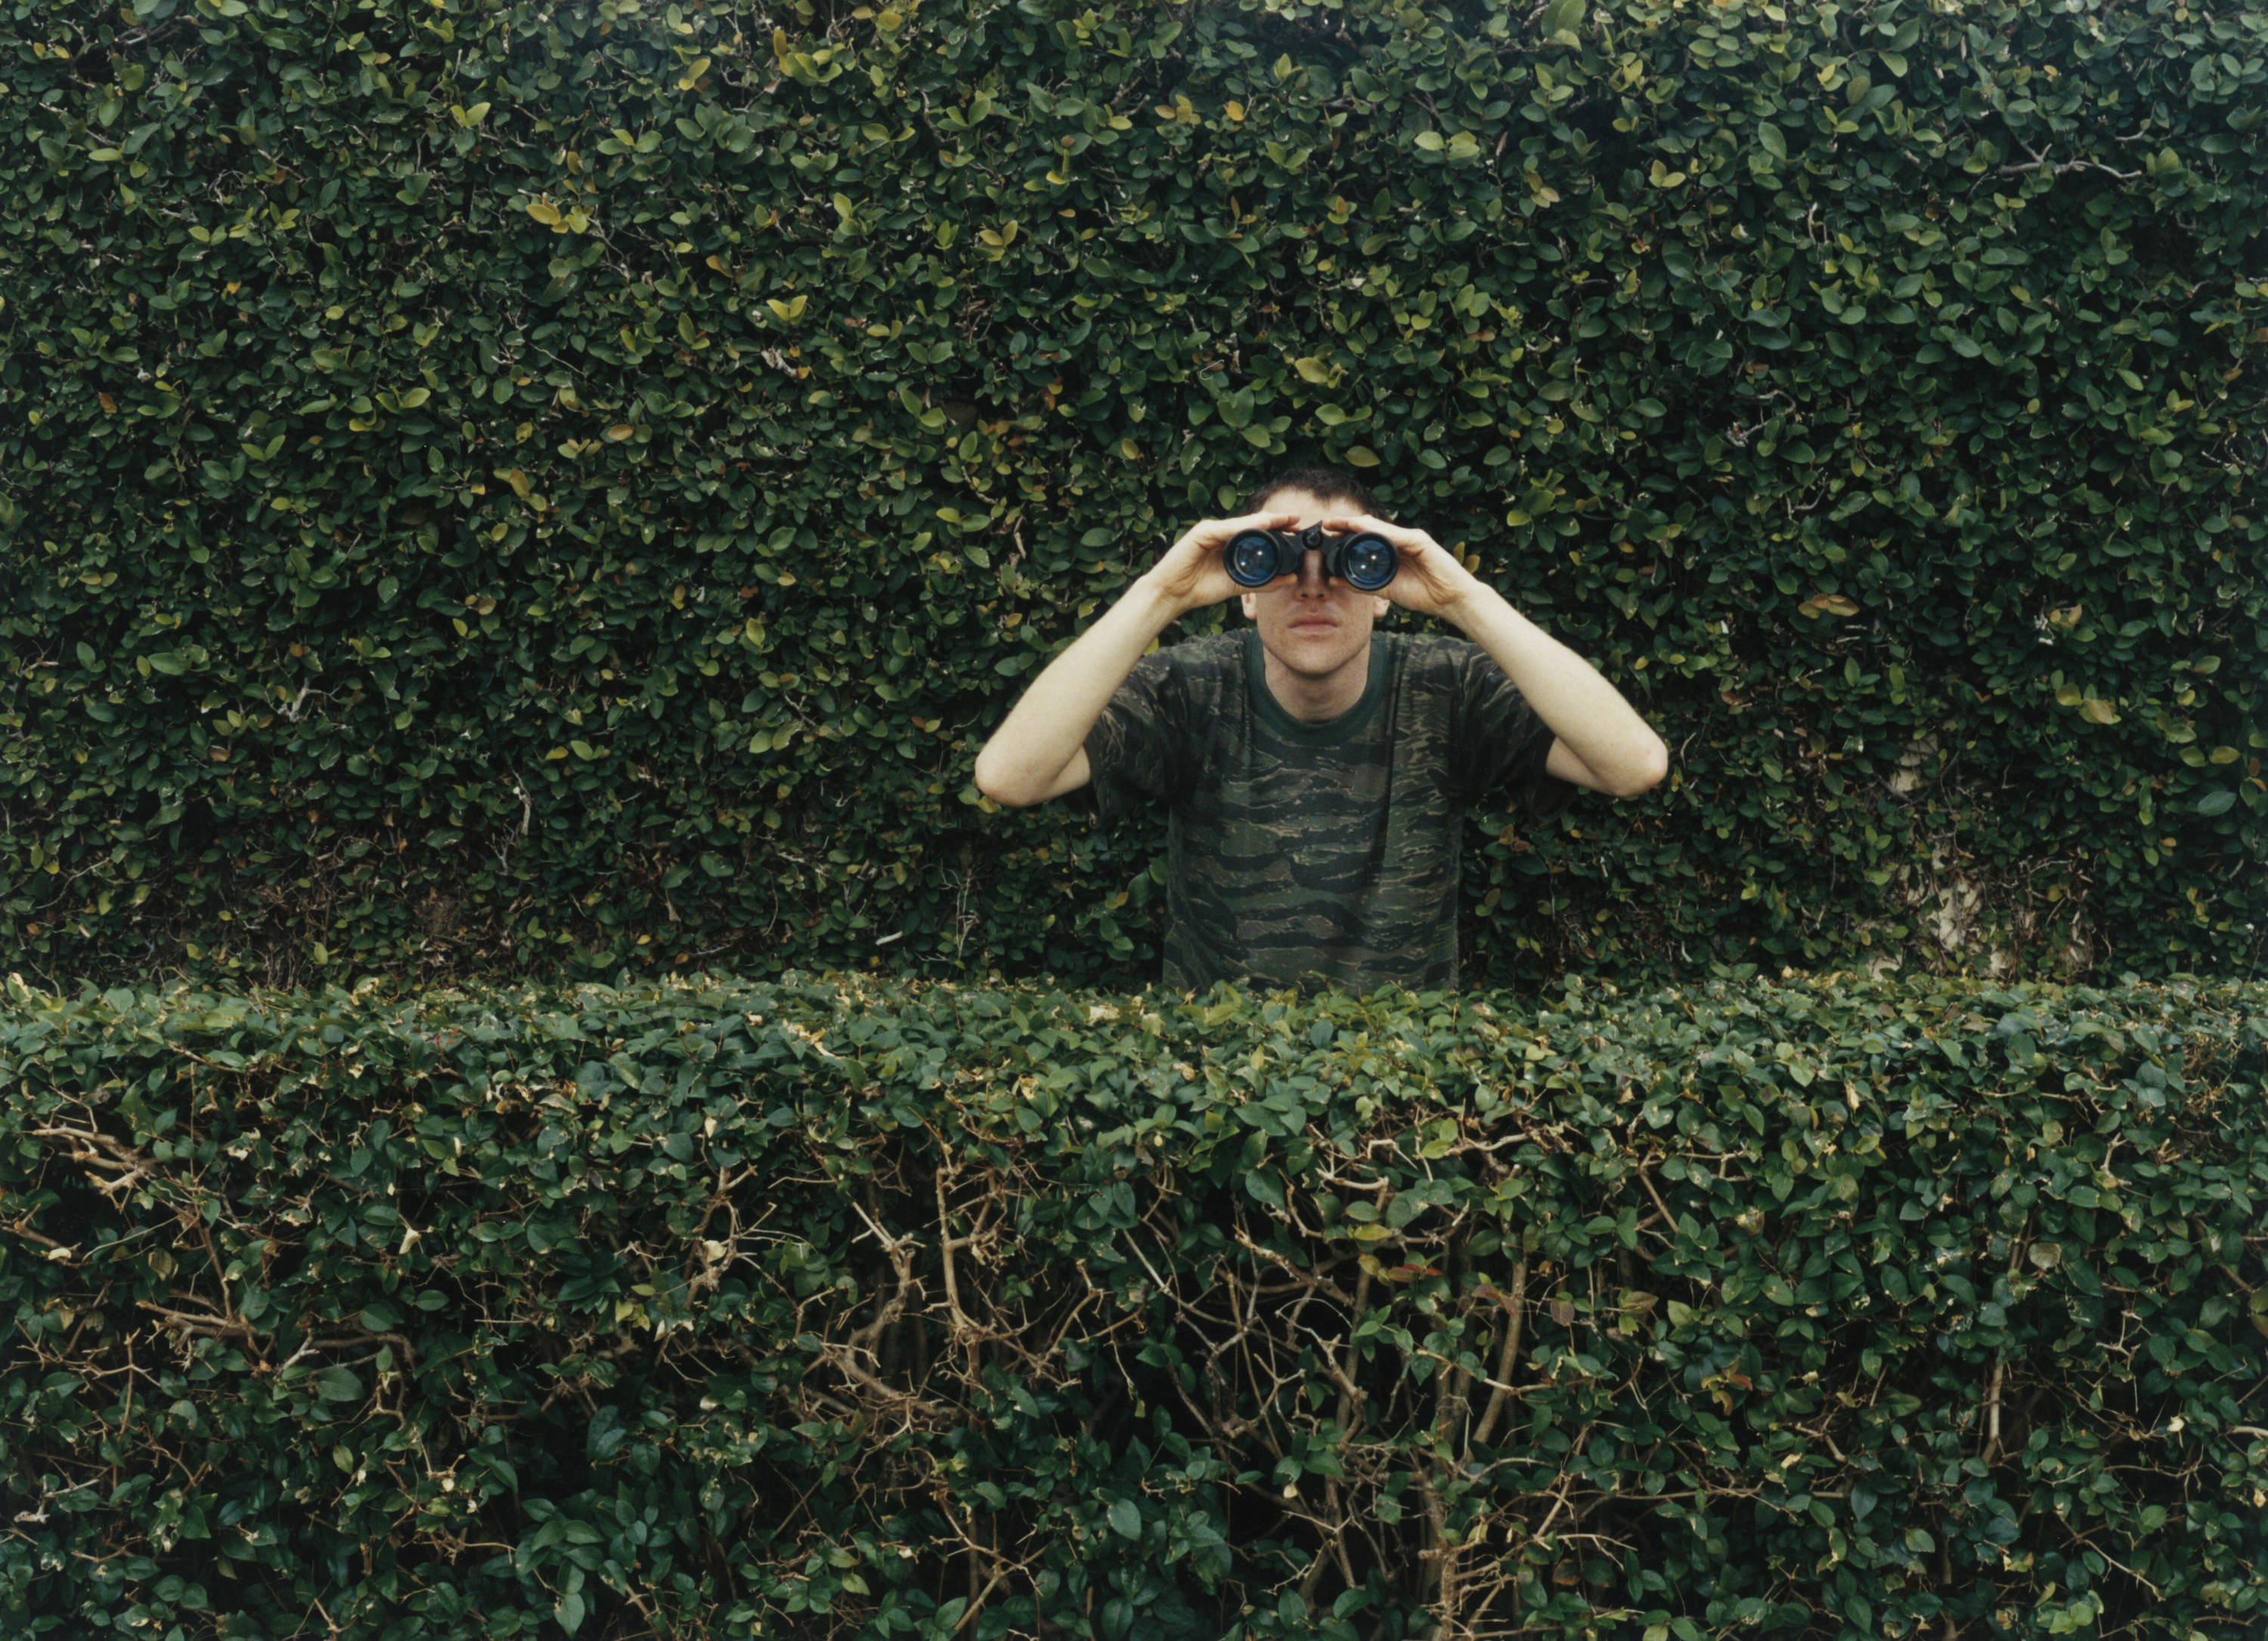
<point x="1039" y="751"/>
<point x="1193" y="572"/>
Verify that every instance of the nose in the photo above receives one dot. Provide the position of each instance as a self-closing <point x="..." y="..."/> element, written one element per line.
<point x="1313" y="583"/>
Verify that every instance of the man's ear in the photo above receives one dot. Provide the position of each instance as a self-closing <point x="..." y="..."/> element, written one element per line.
<point x="1251" y="606"/>
<point x="1379" y="607"/>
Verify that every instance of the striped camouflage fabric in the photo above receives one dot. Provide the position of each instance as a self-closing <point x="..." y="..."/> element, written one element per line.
<point x="1316" y="853"/>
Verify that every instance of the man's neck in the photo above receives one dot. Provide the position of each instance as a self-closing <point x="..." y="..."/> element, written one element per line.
<point x="1317" y="699"/>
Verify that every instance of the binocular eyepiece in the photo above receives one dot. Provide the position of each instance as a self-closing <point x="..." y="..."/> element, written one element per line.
<point x="1365" y="561"/>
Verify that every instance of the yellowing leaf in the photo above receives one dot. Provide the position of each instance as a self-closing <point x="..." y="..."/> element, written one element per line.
<point x="786" y="311"/>
<point x="620" y="431"/>
<point x="1235" y="110"/>
<point x="1836" y="604"/>
<point x="544" y="212"/>
<point x="518" y="480"/>
<point x="2069" y="696"/>
<point x="2100" y="711"/>
<point x="414" y="397"/>
<point x="1311" y="370"/>
<point x="1362" y="456"/>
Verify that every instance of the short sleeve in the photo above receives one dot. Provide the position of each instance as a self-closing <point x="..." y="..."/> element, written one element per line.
<point x="1132" y="750"/>
<point x="1496" y="742"/>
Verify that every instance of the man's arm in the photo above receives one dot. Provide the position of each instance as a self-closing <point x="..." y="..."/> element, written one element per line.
<point x="1039" y="752"/>
<point x="1600" y="741"/>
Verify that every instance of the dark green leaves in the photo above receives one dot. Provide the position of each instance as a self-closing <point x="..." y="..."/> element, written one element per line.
<point x="669" y="1295"/>
<point x="337" y="1384"/>
<point x="479" y="505"/>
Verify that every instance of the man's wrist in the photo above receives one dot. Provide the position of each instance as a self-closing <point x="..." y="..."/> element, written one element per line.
<point x="1474" y="601"/>
<point x="1158" y="607"/>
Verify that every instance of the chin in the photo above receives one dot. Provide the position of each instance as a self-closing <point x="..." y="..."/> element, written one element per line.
<point x="1317" y="656"/>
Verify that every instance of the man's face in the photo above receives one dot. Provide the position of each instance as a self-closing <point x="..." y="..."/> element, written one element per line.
<point x="1310" y="625"/>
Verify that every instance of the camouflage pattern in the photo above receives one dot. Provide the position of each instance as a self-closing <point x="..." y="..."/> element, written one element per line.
<point x="1316" y="853"/>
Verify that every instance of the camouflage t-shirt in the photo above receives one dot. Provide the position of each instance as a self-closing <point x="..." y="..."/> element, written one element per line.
<point x="1299" y="852"/>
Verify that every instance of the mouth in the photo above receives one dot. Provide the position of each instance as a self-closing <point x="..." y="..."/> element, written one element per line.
<point x="1314" y="624"/>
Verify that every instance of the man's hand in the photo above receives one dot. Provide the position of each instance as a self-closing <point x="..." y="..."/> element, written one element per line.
<point x="1429" y="578"/>
<point x="1194" y="575"/>
<point x="1039" y="752"/>
<point x="1598" y="740"/>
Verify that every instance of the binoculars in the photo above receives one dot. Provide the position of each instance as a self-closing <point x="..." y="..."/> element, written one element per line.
<point x="1365" y="561"/>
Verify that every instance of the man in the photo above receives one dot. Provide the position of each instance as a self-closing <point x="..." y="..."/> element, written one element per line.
<point x="1317" y="774"/>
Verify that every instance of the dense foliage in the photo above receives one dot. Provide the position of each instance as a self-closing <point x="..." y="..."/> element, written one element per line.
<point x="1828" y="1309"/>
<point x="499" y="488"/>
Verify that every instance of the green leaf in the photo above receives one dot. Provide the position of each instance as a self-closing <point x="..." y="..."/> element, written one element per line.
<point x="1768" y="135"/>
<point x="337" y="1384"/>
<point x="1126" y="1518"/>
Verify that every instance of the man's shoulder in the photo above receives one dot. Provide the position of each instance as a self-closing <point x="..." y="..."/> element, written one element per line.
<point x="1204" y="666"/>
<point x="1215" y="651"/>
<point x="1433" y="659"/>
<point x="1189" y="681"/>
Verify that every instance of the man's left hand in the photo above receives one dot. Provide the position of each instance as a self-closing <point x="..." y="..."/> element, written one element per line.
<point x="1429" y="579"/>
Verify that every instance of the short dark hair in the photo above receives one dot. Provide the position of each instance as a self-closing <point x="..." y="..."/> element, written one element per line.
<point x="1325" y="484"/>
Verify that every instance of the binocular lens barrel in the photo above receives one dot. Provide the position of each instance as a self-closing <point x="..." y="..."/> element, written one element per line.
<point x="1367" y="561"/>
<point x="1364" y="561"/>
<point x="1252" y="558"/>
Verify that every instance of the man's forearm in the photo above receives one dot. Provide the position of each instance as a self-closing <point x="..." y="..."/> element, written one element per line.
<point x="1039" y="739"/>
<point x="1586" y="712"/>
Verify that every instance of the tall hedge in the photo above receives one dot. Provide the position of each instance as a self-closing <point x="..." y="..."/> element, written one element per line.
<point x="490" y="487"/>
<point x="1827" y="1310"/>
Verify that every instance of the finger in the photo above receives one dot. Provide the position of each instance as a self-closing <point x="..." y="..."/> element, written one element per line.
<point x="1407" y="540"/>
<point x="1212" y="533"/>
<point x="1257" y="521"/>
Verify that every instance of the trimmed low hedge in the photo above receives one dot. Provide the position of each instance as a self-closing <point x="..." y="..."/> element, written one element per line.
<point x="499" y="488"/>
<point x="1820" y="1309"/>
